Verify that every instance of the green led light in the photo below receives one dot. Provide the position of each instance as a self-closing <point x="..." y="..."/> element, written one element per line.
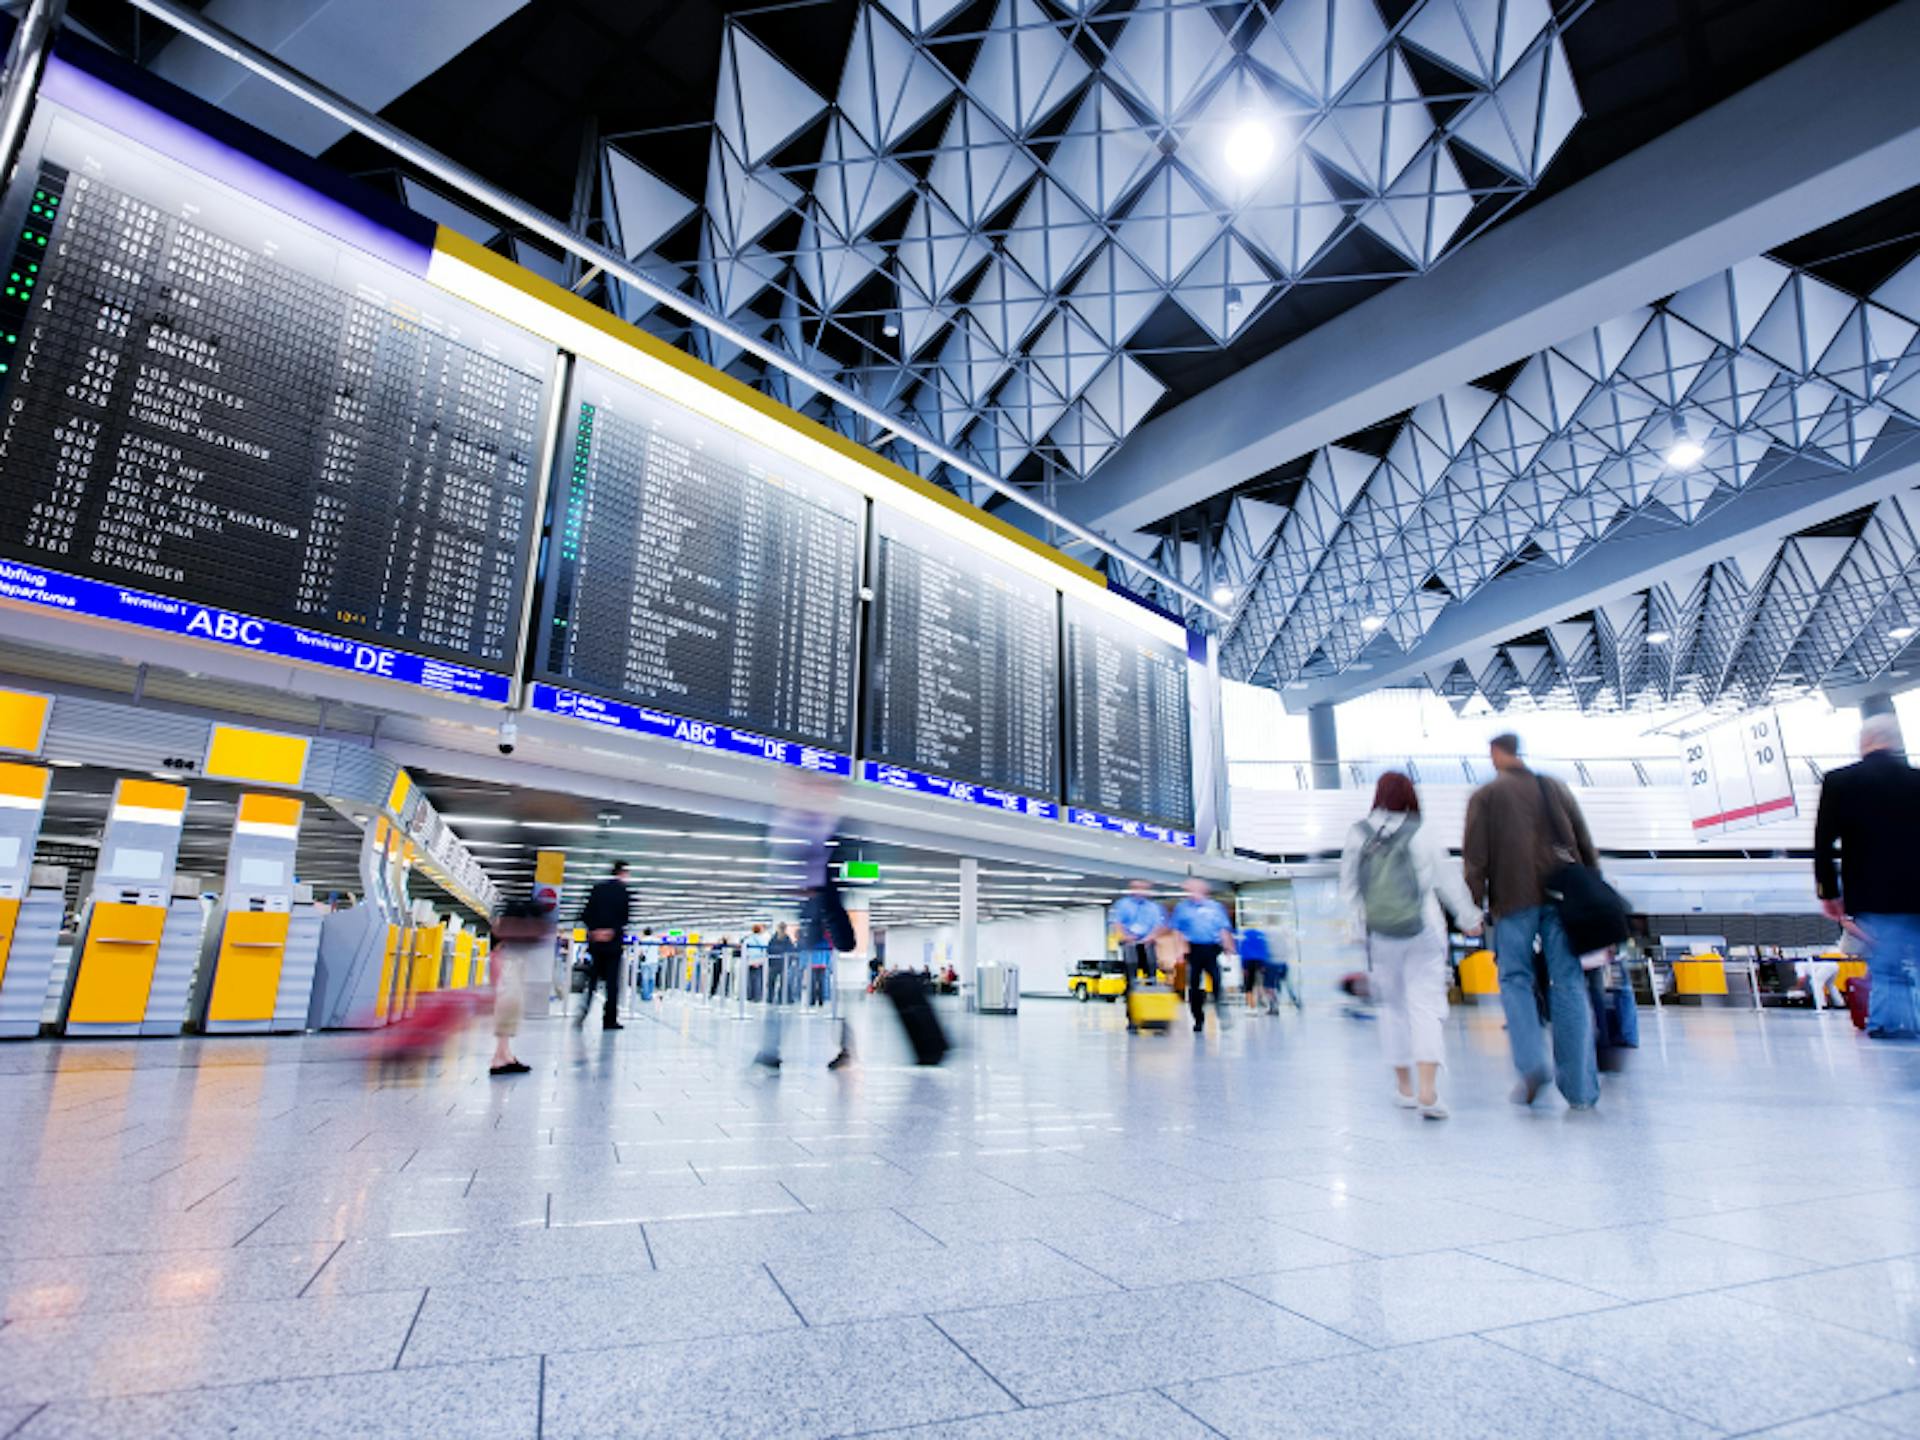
<point x="11" y="291"/>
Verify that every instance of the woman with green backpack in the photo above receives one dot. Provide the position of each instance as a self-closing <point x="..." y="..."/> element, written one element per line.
<point x="1396" y="874"/>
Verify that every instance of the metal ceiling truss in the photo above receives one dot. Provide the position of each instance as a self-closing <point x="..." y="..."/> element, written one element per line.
<point x="1657" y="414"/>
<point x="1784" y="619"/>
<point x="972" y="230"/>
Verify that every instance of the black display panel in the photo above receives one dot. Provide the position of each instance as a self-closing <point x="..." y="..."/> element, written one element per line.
<point x="211" y="398"/>
<point x="963" y="680"/>
<point x="697" y="571"/>
<point x="1128" y="744"/>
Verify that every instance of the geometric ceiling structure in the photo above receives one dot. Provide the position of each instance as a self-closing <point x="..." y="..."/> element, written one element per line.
<point x="1817" y="612"/>
<point x="992" y="232"/>
<point x="1665" y="412"/>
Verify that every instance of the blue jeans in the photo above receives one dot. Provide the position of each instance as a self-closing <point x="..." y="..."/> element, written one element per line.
<point x="1574" y="1068"/>
<point x="1892" y="963"/>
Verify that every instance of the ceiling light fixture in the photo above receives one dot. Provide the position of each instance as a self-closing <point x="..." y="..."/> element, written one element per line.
<point x="1223" y="594"/>
<point x="1685" y="454"/>
<point x="1658" y="637"/>
<point x="1371" y="623"/>
<point x="1902" y="632"/>
<point x="1250" y="146"/>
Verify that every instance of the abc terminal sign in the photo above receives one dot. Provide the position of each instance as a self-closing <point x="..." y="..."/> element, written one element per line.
<point x="98" y="600"/>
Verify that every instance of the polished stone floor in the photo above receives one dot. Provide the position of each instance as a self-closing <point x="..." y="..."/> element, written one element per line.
<point x="1062" y="1232"/>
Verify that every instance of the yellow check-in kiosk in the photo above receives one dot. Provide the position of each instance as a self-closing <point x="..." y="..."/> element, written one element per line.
<point x="459" y="957"/>
<point x="139" y="943"/>
<point x="29" y="918"/>
<point x="482" y="959"/>
<point x="1702" y="973"/>
<point x="257" y="974"/>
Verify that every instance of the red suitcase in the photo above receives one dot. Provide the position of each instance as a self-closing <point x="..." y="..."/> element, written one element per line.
<point x="1857" y="989"/>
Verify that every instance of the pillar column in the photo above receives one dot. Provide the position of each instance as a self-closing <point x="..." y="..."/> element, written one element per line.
<point x="1323" y="740"/>
<point x="969" y="927"/>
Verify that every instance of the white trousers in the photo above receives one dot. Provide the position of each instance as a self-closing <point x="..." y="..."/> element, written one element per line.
<point x="1410" y="984"/>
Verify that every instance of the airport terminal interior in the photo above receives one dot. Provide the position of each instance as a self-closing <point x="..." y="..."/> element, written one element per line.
<point x="965" y="719"/>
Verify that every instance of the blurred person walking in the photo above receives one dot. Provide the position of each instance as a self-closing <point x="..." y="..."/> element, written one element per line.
<point x="1136" y="919"/>
<point x="1521" y="828"/>
<point x="1395" y="873"/>
<point x="523" y="930"/>
<point x="1202" y="922"/>
<point x="608" y="909"/>
<point x="1868" y="810"/>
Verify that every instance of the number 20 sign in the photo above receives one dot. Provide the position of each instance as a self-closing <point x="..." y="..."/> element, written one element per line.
<point x="1736" y="774"/>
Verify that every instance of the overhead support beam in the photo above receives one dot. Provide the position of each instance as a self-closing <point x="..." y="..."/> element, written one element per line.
<point x="1642" y="553"/>
<point x="1833" y="132"/>
<point x="362" y="48"/>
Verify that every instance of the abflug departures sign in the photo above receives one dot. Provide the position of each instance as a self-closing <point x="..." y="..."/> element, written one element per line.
<point x="222" y="421"/>
<point x="697" y="584"/>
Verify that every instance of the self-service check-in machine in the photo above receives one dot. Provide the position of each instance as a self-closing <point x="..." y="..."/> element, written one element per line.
<point x="257" y="974"/>
<point x="425" y="972"/>
<point x="360" y="945"/>
<point x="29" y="917"/>
<point x="139" y="943"/>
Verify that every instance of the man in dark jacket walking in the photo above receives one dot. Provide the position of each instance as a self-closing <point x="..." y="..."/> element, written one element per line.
<point x="1521" y="827"/>
<point x="609" y="908"/>
<point x="1868" y="810"/>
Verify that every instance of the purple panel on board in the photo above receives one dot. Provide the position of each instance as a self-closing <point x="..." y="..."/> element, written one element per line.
<point x="67" y="84"/>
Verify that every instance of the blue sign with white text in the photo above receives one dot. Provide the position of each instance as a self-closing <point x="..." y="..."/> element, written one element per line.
<point x="99" y="600"/>
<point x="617" y="715"/>
<point x="1138" y="829"/>
<point x="898" y="777"/>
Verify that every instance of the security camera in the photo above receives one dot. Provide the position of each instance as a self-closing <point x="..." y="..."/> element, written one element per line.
<point x="509" y="735"/>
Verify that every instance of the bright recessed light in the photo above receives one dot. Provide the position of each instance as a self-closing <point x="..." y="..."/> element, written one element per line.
<point x="1686" y="454"/>
<point x="1902" y="632"/>
<point x="1658" y="637"/>
<point x="1249" y="147"/>
<point x="1223" y="594"/>
<point x="1371" y="623"/>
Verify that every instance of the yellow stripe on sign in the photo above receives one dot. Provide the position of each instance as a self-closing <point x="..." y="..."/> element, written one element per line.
<point x="544" y="292"/>
<point x="280" y="810"/>
<point x="150" y="795"/>
<point x="262" y="756"/>
<point x="402" y="787"/>
<point x="23" y="720"/>
<point x="25" y="783"/>
<point x="550" y="867"/>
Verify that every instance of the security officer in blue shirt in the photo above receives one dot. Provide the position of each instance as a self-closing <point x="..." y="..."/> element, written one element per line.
<point x="1203" y="923"/>
<point x="1137" y="918"/>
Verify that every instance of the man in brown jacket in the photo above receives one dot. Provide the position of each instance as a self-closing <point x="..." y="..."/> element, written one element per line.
<point x="1520" y="828"/>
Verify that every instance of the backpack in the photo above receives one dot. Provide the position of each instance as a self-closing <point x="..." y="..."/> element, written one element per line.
<point x="1389" y="886"/>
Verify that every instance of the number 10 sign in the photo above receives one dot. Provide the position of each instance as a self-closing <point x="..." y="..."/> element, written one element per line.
<point x="1736" y="775"/>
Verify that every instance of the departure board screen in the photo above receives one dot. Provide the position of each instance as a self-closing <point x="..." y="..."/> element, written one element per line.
<point x="1128" y="748"/>
<point x="210" y="399"/>
<point x="695" y="570"/>
<point x="963" y="678"/>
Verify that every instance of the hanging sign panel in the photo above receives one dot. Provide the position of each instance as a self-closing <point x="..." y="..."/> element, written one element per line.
<point x="1129" y="756"/>
<point x="963" y="683"/>
<point x="1736" y="775"/>
<point x="697" y="571"/>
<point x="235" y="410"/>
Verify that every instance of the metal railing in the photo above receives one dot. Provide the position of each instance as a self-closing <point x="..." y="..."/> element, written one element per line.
<point x="1627" y="773"/>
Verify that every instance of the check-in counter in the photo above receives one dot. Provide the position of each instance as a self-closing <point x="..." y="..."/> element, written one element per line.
<point x="29" y="917"/>
<point x="258" y="974"/>
<point x="140" y="943"/>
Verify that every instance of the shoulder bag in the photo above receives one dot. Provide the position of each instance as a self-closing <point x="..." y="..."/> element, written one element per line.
<point x="1592" y="912"/>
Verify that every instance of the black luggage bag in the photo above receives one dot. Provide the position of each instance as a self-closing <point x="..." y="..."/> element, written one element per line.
<point x="908" y="992"/>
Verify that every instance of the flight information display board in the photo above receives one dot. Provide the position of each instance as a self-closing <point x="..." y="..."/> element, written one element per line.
<point x="222" y="420"/>
<point x="694" y="570"/>
<point x="963" y="681"/>
<point x="1129" y="752"/>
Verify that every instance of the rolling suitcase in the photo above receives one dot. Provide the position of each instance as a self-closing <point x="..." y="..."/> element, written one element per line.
<point x="1857" y="994"/>
<point x="908" y="992"/>
<point x="1151" y="1007"/>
